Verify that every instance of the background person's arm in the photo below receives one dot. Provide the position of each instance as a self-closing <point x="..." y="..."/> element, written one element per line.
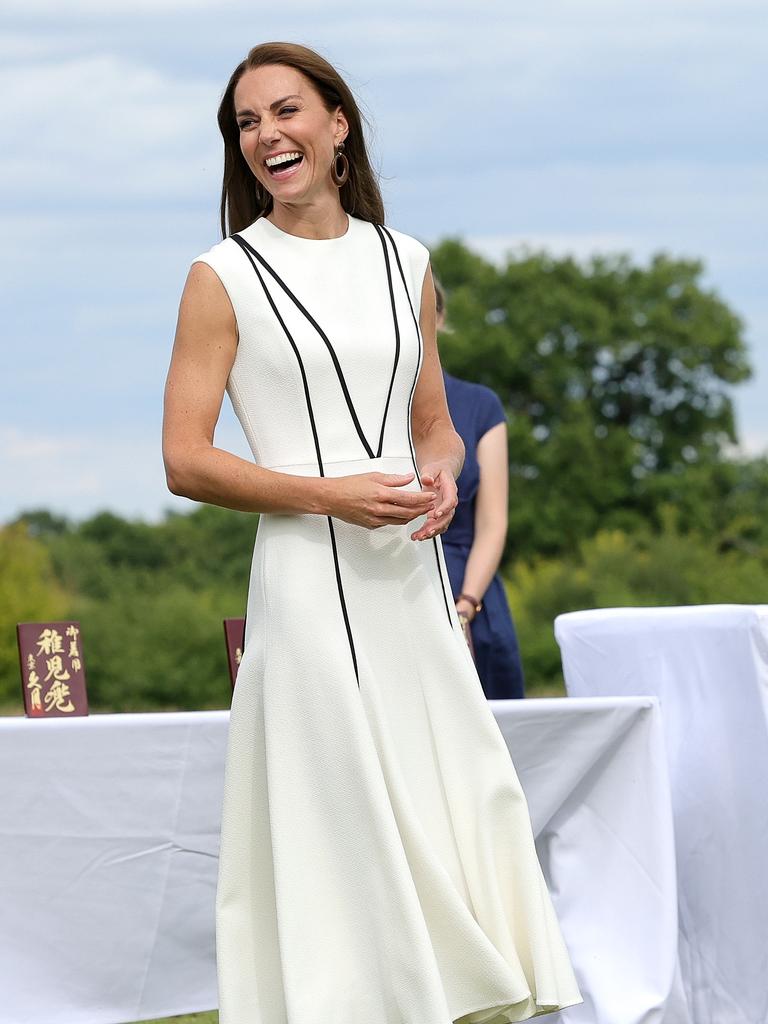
<point x="491" y="512"/>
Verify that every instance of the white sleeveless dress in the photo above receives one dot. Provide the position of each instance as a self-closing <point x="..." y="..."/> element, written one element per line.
<point x="377" y="861"/>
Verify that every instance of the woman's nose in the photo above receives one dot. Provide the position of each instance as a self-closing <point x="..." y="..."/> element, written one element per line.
<point x="269" y="130"/>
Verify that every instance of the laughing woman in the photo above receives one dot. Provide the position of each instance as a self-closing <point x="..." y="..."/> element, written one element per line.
<point x="377" y="859"/>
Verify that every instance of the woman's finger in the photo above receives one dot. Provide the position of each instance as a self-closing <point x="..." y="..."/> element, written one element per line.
<point x="410" y="499"/>
<point x="395" y="514"/>
<point x="387" y="521"/>
<point x="447" y="502"/>
<point x="392" y="479"/>
<point x="423" y="504"/>
<point x="448" y="494"/>
<point x="433" y="528"/>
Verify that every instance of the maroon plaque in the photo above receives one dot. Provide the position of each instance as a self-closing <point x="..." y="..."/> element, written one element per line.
<point x="234" y="634"/>
<point x="52" y="669"/>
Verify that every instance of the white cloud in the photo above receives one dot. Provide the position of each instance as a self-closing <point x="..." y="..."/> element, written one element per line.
<point x="724" y="255"/>
<point x="79" y="474"/>
<point x="563" y="10"/>
<point x="579" y="245"/>
<point x="15" y="446"/>
<point x="102" y="127"/>
<point x="17" y="46"/>
<point x="751" y="445"/>
<point x="107" y="8"/>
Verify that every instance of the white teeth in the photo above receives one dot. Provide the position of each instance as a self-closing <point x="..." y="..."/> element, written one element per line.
<point x="281" y="158"/>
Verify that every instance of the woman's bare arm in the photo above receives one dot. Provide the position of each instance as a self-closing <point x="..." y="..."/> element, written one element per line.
<point x="203" y="353"/>
<point x="439" y="448"/>
<point x="434" y="435"/>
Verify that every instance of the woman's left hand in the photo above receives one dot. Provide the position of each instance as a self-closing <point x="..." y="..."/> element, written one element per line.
<point x="439" y="478"/>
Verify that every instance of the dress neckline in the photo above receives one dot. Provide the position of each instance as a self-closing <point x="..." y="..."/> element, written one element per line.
<point x="278" y="233"/>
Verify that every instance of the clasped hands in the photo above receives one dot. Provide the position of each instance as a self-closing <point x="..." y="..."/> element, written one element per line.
<point x="379" y="499"/>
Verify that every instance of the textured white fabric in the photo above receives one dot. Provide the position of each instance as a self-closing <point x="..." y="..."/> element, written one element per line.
<point x="708" y="666"/>
<point x="109" y="835"/>
<point x="377" y="859"/>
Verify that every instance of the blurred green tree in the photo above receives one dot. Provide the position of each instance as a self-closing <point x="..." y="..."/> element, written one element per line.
<point x="616" y="569"/>
<point x="29" y="592"/>
<point x="611" y="373"/>
<point x="150" y="599"/>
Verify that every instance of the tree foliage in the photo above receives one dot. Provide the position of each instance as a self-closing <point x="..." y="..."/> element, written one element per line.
<point x="29" y="592"/>
<point x="615" y="569"/>
<point x="150" y="599"/>
<point x="611" y="374"/>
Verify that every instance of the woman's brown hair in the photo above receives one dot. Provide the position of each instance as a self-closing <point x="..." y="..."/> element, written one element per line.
<point x="242" y="201"/>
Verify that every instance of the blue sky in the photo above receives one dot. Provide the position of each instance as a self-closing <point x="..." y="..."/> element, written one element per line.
<point x="579" y="127"/>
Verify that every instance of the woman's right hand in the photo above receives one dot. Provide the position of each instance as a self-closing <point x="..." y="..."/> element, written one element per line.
<point x="377" y="499"/>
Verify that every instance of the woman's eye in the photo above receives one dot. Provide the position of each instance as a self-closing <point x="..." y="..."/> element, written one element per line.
<point x="245" y="125"/>
<point x="289" y="110"/>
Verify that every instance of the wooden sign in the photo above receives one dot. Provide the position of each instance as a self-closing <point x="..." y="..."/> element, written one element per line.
<point x="234" y="635"/>
<point x="52" y="669"/>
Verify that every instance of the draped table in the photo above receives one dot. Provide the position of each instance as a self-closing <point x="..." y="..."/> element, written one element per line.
<point x="708" y="667"/>
<point x="109" y="832"/>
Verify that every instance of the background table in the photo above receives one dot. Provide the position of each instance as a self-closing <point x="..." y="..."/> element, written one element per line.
<point x="108" y="859"/>
<point x="708" y="665"/>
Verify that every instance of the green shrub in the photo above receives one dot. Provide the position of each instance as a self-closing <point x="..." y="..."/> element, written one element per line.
<point x="616" y="569"/>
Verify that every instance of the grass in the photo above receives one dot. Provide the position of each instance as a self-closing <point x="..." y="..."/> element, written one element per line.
<point x="210" y="1017"/>
<point x="545" y="690"/>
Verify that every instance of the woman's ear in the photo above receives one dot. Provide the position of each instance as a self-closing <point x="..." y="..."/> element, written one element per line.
<point x="342" y="126"/>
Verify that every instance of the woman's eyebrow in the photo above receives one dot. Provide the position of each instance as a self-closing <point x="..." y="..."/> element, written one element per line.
<point x="272" y="106"/>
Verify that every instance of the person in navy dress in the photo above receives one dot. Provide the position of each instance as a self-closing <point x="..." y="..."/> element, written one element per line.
<point x="474" y="541"/>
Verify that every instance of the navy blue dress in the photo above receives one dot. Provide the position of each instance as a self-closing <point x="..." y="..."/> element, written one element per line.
<point x="474" y="409"/>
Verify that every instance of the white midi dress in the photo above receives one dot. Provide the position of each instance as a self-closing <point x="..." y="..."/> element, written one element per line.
<point x="377" y="861"/>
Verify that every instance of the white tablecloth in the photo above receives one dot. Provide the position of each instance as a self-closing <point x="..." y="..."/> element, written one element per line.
<point x="108" y="856"/>
<point x="708" y="665"/>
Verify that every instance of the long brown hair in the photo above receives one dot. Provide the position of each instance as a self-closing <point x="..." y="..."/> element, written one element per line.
<point x="241" y="200"/>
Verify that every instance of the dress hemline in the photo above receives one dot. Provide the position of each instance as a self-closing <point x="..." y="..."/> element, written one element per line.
<point x="501" y="1012"/>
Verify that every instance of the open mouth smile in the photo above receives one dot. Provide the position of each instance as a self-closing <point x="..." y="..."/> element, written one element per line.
<point x="284" y="165"/>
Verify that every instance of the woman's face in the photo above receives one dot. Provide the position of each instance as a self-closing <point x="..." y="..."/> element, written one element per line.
<point x="280" y="113"/>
